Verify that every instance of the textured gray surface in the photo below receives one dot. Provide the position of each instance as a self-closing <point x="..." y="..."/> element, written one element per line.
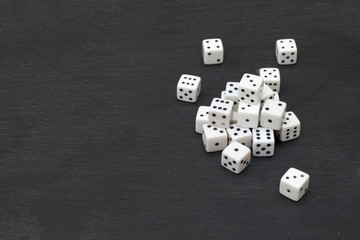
<point x="94" y="144"/>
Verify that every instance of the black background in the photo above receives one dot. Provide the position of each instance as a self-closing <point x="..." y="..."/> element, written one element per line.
<point x="95" y="145"/>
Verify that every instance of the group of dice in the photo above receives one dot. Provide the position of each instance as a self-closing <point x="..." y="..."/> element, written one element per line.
<point x="246" y="115"/>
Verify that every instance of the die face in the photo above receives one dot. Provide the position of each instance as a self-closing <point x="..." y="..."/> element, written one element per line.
<point x="188" y="88"/>
<point x="248" y="115"/>
<point x="272" y="114"/>
<point x="213" y="51"/>
<point x="271" y="78"/>
<point x="263" y="142"/>
<point x="294" y="184"/>
<point x="214" y="138"/>
<point x="286" y="51"/>
<point x="235" y="157"/>
<point x="250" y="88"/>
<point x="220" y="112"/>
<point x="232" y="92"/>
<point x="234" y="117"/>
<point x="290" y="128"/>
<point x="267" y="93"/>
<point x="239" y="134"/>
<point x="275" y="97"/>
<point x="202" y="117"/>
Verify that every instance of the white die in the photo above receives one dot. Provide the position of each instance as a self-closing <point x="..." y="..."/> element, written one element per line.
<point x="294" y="184"/>
<point x="263" y="142"/>
<point x="234" y="118"/>
<point x="188" y="88"/>
<point x="214" y="138"/>
<point x="240" y="135"/>
<point x="286" y="51"/>
<point x="248" y="115"/>
<point x="272" y="114"/>
<point x="275" y="97"/>
<point x="232" y="93"/>
<point x="235" y="157"/>
<point x="220" y="112"/>
<point x="202" y="117"/>
<point x="250" y="88"/>
<point x="271" y="78"/>
<point x="212" y="51"/>
<point x="223" y="94"/>
<point x="290" y="128"/>
<point x="267" y="93"/>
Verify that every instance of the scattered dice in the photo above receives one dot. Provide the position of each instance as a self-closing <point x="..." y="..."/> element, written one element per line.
<point x="202" y="117"/>
<point x="212" y="51"/>
<point x="290" y="128"/>
<point x="235" y="157"/>
<point x="248" y="115"/>
<point x="272" y="114"/>
<point x="220" y="112"/>
<point x="240" y="135"/>
<point x="294" y="184"/>
<point x="188" y="88"/>
<point x="286" y="51"/>
<point x="214" y="138"/>
<point x="271" y="78"/>
<point x="263" y="143"/>
<point x="250" y="88"/>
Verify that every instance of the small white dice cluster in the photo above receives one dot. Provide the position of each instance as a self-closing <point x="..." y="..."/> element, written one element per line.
<point x="244" y="120"/>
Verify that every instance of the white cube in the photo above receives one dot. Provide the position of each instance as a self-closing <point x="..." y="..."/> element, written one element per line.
<point x="290" y="128"/>
<point x="212" y="51"/>
<point x="240" y="135"/>
<point x="286" y="51"/>
<point x="267" y="93"/>
<point x="220" y="112"/>
<point x="294" y="184"/>
<point x="271" y="77"/>
<point x="272" y="114"/>
<point x="188" y="88"/>
<point x="232" y="93"/>
<point x="263" y="142"/>
<point x="214" y="138"/>
<point x="250" y="88"/>
<point x="202" y="117"/>
<point x="248" y="115"/>
<point x="235" y="157"/>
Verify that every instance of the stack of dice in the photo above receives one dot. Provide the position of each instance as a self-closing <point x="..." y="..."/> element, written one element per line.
<point x="243" y="121"/>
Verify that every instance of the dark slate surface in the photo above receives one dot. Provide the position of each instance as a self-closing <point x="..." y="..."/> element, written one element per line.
<point x="94" y="144"/>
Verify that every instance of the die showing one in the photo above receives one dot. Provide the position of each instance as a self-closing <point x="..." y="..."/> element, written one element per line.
<point x="286" y="51"/>
<point x="248" y="115"/>
<point x="240" y="135"/>
<point x="220" y="113"/>
<point x="235" y="157"/>
<point x="290" y="128"/>
<point x="188" y="88"/>
<point x="250" y="88"/>
<point x="294" y="184"/>
<point x="263" y="142"/>
<point x="212" y="51"/>
<point x="214" y="138"/>
<point x="202" y="117"/>
<point x="272" y="114"/>
<point x="271" y="77"/>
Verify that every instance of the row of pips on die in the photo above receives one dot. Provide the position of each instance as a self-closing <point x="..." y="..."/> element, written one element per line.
<point x="242" y="122"/>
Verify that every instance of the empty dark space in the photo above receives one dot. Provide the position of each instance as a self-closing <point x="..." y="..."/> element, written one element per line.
<point x="95" y="145"/>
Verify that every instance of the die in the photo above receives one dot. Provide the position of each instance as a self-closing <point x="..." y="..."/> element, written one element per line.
<point x="220" y="112"/>
<point x="214" y="138"/>
<point x="275" y="97"/>
<point x="294" y="184"/>
<point x="232" y="93"/>
<point x="290" y="128"/>
<point x="202" y="117"/>
<point x="250" y="88"/>
<point x="263" y="142"/>
<point x="240" y="135"/>
<point x="286" y="51"/>
<point x="248" y="115"/>
<point x="234" y="117"/>
<point x="272" y="114"/>
<point x="212" y="51"/>
<point x="236" y="157"/>
<point x="188" y="88"/>
<point x="271" y="77"/>
<point x="267" y="93"/>
<point x="223" y="94"/>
